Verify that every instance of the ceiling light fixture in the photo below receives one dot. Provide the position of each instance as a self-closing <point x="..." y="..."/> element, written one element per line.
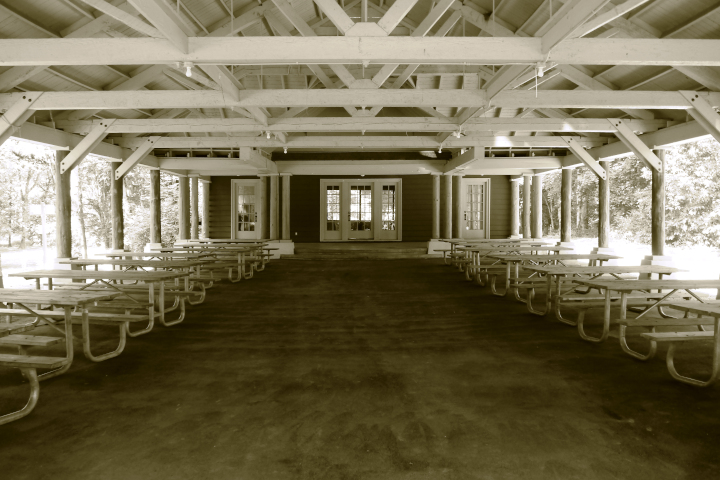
<point x="188" y="69"/>
<point x="285" y="149"/>
<point x="268" y="134"/>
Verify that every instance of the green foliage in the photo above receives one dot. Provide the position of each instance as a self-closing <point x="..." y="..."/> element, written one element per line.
<point x="692" y="205"/>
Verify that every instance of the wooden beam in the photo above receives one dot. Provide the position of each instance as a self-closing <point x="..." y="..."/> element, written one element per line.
<point x="577" y="12"/>
<point x="356" y="50"/>
<point x="394" y="142"/>
<point x="165" y="20"/>
<point x="357" y="124"/>
<point x="607" y="17"/>
<point x="381" y="77"/>
<point x="585" y="157"/>
<point x="641" y="150"/>
<point x="16" y="115"/>
<point x="336" y="14"/>
<point x="703" y="113"/>
<point x="126" y="18"/>
<point x="140" y="153"/>
<point x="87" y="144"/>
<point x="465" y="160"/>
<point x="167" y="99"/>
<point x="395" y="14"/>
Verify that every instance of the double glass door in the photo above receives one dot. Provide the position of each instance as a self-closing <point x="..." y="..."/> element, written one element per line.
<point x="360" y="210"/>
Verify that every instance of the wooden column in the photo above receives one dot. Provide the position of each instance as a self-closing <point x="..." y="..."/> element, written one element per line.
<point x="515" y="208"/>
<point x="285" y="207"/>
<point x="274" y="207"/>
<point x="206" y="210"/>
<point x="118" y="222"/>
<point x="184" y="209"/>
<point x="194" y="211"/>
<point x="536" y="212"/>
<point x="264" y="214"/>
<point x="658" y="206"/>
<point x="604" y="209"/>
<point x="63" y="208"/>
<point x="526" y="207"/>
<point x="457" y="206"/>
<point x="566" y="206"/>
<point x="155" y="203"/>
<point x="436" y="207"/>
<point x="446" y="206"/>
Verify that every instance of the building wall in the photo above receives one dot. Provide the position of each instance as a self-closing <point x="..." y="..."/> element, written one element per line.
<point x="305" y="207"/>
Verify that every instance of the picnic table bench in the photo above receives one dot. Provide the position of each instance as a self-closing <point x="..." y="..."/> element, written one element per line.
<point x="552" y="277"/>
<point x="659" y="291"/>
<point x="29" y="301"/>
<point x="109" y="280"/>
<point x="676" y="338"/>
<point x="512" y="266"/>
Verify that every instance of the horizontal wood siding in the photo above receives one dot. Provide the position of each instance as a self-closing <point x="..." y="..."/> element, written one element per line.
<point x="499" y="205"/>
<point x="305" y="207"/>
<point x="221" y="206"/>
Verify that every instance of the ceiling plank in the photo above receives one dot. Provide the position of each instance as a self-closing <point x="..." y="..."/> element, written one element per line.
<point x="126" y="18"/>
<point x="336" y="14"/>
<point x="578" y="12"/>
<point x="165" y="20"/>
<point x="395" y="14"/>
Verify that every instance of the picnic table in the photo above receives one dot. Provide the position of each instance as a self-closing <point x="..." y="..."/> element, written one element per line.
<point x="30" y="301"/>
<point x="627" y="287"/>
<point x="110" y="278"/>
<point x="554" y="274"/>
<point x="478" y="252"/>
<point x="139" y="264"/>
<point x="675" y="338"/>
<point x="160" y="255"/>
<point x="513" y="262"/>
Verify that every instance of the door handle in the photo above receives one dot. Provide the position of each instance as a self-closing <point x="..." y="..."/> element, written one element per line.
<point x="256" y="216"/>
<point x="348" y="216"/>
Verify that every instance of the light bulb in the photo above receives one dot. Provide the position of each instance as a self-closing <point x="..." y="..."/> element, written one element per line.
<point x="440" y="149"/>
<point x="541" y="66"/>
<point x="285" y="149"/>
<point x="268" y="135"/>
<point x="188" y="71"/>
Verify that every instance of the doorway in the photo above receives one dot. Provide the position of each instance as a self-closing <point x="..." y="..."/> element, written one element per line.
<point x="360" y="210"/>
<point x="248" y="199"/>
<point x="476" y="214"/>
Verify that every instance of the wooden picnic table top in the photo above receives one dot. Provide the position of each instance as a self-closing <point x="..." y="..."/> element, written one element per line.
<point x="630" y="285"/>
<point x="183" y="254"/>
<point x="712" y="309"/>
<point x="224" y="240"/>
<point x="102" y="275"/>
<point x="511" y="248"/>
<point x="209" y="248"/>
<point x="498" y="240"/>
<point x="140" y="263"/>
<point x="610" y="269"/>
<point x="60" y="298"/>
<point x="555" y="256"/>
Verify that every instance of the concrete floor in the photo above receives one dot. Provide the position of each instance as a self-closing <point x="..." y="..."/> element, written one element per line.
<point x="363" y="370"/>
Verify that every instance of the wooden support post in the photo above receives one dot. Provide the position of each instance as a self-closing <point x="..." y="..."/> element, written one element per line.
<point x="436" y="207"/>
<point x="658" y="206"/>
<point x="604" y="208"/>
<point x="536" y="212"/>
<point x="446" y="206"/>
<point x="515" y="208"/>
<point x="457" y="210"/>
<point x="527" y="233"/>
<point x="63" y="208"/>
<point x="566" y="206"/>
<point x="118" y="221"/>
<point x="184" y="209"/>
<point x="194" y="210"/>
<point x="265" y="211"/>
<point x="155" y="205"/>
<point x="285" y="206"/>
<point x="206" y="210"/>
<point x="274" y="206"/>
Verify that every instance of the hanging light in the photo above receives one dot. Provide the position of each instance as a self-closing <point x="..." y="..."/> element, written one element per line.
<point x="268" y="134"/>
<point x="284" y="149"/>
<point x="440" y="149"/>
<point x="540" y="69"/>
<point x="188" y="69"/>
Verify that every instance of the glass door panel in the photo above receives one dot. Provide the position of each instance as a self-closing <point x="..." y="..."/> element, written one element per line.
<point x="333" y="205"/>
<point x="388" y="205"/>
<point x="360" y="214"/>
<point x="475" y="214"/>
<point x="246" y="209"/>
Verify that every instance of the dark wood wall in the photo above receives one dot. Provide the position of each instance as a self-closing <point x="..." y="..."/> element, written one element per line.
<point x="305" y="207"/>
